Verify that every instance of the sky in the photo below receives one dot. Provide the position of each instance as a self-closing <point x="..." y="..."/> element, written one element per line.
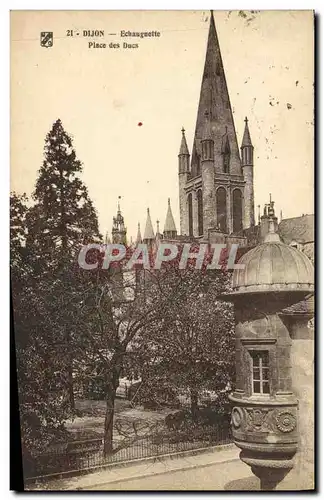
<point x="101" y="95"/>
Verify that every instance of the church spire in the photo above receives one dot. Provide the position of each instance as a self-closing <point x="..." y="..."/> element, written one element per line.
<point x="148" y="232"/>
<point x="119" y="230"/>
<point x="170" y="230"/>
<point x="214" y="99"/>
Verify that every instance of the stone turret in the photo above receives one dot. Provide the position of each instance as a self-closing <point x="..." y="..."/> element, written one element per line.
<point x="183" y="160"/>
<point x="272" y="415"/>
<point x="247" y="167"/>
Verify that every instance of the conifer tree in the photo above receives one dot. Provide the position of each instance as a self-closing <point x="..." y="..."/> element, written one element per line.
<point x="62" y="219"/>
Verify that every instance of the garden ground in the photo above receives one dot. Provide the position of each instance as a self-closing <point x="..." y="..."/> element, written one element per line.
<point x="128" y="420"/>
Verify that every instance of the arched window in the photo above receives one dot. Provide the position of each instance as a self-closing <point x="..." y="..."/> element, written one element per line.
<point x="237" y="211"/>
<point x="190" y="215"/>
<point x="226" y="162"/>
<point x="200" y="213"/>
<point x="226" y="153"/>
<point x="221" y="209"/>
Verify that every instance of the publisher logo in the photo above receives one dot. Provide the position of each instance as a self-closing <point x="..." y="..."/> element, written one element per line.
<point x="46" y="39"/>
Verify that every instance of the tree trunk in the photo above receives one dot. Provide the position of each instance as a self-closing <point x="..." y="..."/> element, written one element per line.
<point x="194" y="404"/>
<point x="69" y="370"/>
<point x="71" y="391"/>
<point x="109" y="421"/>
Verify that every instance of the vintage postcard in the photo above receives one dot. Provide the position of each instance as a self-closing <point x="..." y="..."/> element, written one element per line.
<point x="162" y="249"/>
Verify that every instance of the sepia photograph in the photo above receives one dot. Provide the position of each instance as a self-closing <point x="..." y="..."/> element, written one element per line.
<point x="162" y="249"/>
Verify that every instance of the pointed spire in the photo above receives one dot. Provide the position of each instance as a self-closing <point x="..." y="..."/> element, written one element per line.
<point x="183" y="146"/>
<point x="139" y="236"/>
<point x="246" y="141"/>
<point x="170" y="229"/>
<point x="214" y="98"/>
<point x="148" y="232"/>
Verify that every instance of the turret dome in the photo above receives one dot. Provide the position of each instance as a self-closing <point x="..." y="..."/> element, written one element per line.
<point x="273" y="266"/>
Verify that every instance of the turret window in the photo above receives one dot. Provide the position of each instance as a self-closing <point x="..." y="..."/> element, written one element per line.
<point x="260" y="372"/>
<point x="221" y="209"/>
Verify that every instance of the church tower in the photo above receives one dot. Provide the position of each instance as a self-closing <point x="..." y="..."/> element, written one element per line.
<point x="212" y="190"/>
<point x="119" y="230"/>
<point x="118" y="236"/>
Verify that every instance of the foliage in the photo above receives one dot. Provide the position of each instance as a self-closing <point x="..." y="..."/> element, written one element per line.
<point x="46" y="288"/>
<point x="190" y="347"/>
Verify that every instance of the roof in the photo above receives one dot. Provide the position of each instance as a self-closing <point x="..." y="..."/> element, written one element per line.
<point x="169" y="225"/>
<point x="304" y="307"/>
<point x="149" y="231"/>
<point x="246" y="141"/>
<point x="299" y="229"/>
<point x="274" y="266"/>
<point x="214" y="99"/>
<point x="183" y="146"/>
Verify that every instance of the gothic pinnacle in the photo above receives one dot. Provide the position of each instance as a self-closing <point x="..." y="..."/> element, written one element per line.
<point x="246" y="141"/>
<point x="149" y="231"/>
<point x="183" y="146"/>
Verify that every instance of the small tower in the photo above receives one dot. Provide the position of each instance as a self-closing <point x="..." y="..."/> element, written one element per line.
<point x="206" y="206"/>
<point x="247" y="167"/>
<point x="149" y="235"/>
<point x="268" y="219"/>
<point x="184" y="160"/>
<point x="139" y="236"/>
<point x="170" y="230"/>
<point x="119" y="230"/>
